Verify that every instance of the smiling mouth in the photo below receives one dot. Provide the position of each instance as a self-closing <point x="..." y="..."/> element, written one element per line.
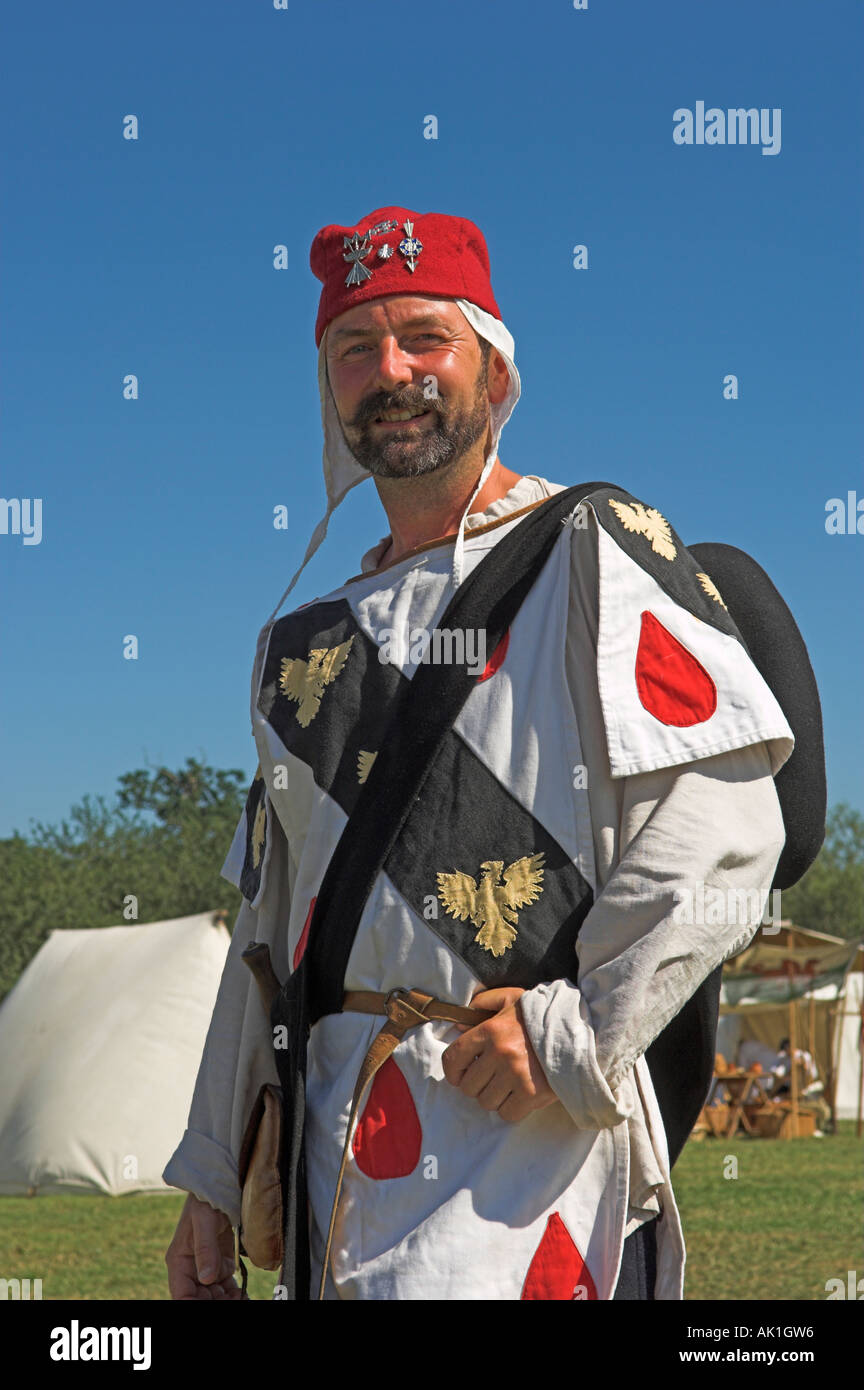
<point x="401" y="417"/>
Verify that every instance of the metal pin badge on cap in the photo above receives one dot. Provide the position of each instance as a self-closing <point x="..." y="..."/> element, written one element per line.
<point x="410" y="246"/>
<point x="356" y="252"/>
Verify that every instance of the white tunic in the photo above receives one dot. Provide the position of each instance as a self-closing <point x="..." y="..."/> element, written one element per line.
<point x="448" y="1201"/>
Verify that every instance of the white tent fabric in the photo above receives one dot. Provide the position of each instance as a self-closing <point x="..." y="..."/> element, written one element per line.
<point x="848" y="1048"/>
<point x="101" y="1040"/>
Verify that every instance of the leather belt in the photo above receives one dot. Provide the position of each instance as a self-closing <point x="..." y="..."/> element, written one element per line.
<point x="364" y="1001"/>
<point x="404" y="1009"/>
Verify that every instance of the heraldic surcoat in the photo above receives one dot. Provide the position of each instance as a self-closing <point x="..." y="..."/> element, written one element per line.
<point x="613" y="761"/>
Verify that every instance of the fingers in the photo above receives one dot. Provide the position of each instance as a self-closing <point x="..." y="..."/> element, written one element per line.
<point x="494" y="1039"/>
<point x="495" y="1093"/>
<point x="211" y="1234"/>
<point x="496" y="999"/>
<point x="515" y="1108"/>
<point x="182" y="1282"/>
<point x="200" y="1258"/>
<point x="211" y="1293"/>
<point x="494" y="1063"/>
<point x="479" y="1074"/>
<point x="490" y="1076"/>
<point x="225" y="1291"/>
<point x="498" y="1085"/>
<point x="460" y="1055"/>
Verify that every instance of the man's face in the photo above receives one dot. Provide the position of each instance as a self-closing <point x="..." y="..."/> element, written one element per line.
<point x="380" y="358"/>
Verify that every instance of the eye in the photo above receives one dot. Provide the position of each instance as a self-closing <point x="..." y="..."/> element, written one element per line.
<point x="420" y="342"/>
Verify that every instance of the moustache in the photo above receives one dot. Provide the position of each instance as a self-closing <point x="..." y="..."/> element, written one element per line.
<point x="376" y="405"/>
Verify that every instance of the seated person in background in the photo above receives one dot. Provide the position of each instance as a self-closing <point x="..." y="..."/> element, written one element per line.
<point x="810" y="1089"/>
<point x="783" y="1068"/>
<point x="777" y="1067"/>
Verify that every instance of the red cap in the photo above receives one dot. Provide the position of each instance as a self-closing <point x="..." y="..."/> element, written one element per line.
<point x="448" y="256"/>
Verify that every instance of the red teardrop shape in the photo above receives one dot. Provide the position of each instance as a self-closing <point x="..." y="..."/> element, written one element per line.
<point x="304" y="936"/>
<point x="388" y="1137"/>
<point x="557" y="1270"/>
<point x="496" y="658"/>
<point x="672" y="684"/>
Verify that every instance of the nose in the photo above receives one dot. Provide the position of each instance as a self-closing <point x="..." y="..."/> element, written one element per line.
<point x="393" y="367"/>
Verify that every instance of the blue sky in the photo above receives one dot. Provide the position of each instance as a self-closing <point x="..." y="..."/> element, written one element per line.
<point x="259" y="126"/>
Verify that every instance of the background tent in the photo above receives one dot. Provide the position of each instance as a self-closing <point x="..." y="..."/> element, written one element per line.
<point x="101" y="1039"/>
<point x="801" y="984"/>
<point x="848" y="1053"/>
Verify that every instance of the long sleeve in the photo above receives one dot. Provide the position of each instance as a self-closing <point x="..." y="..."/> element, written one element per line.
<point x="238" y="1053"/>
<point x="662" y="840"/>
<point x="234" y="1063"/>
<point x="714" y="825"/>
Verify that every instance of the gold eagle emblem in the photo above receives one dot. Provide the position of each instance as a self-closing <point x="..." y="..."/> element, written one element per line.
<point x="365" y="760"/>
<point x="711" y="589"/>
<point x="305" y="681"/>
<point x="259" y="831"/>
<point x="491" y="904"/>
<point x="647" y="522"/>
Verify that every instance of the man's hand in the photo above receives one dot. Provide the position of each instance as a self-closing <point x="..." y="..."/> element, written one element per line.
<point x="495" y="1063"/>
<point x="200" y="1258"/>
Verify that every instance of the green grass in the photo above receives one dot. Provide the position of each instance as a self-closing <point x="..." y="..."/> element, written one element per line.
<point x="789" y="1221"/>
<point x="96" y="1247"/>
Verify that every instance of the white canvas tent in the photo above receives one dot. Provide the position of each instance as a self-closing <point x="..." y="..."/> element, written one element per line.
<point x="100" y="1042"/>
<point x="803" y="985"/>
<point x="849" y="1058"/>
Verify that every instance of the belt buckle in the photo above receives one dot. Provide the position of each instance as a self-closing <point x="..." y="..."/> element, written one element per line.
<point x="399" y="1010"/>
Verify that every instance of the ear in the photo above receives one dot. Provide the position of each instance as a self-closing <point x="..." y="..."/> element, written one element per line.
<point x="498" y="381"/>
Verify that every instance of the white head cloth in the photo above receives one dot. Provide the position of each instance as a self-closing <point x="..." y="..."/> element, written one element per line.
<point x="342" y="471"/>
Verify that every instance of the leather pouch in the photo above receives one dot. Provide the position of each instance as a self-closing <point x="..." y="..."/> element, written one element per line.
<point x="261" y="1208"/>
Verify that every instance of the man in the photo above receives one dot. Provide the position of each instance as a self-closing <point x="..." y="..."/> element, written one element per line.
<point x="783" y="1067"/>
<point x="616" y="753"/>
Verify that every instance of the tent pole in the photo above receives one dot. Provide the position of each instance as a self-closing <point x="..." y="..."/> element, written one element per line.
<point x="793" y="1069"/>
<point x="831" y="1076"/>
<point x="860" y="1075"/>
<point x="793" y="1044"/>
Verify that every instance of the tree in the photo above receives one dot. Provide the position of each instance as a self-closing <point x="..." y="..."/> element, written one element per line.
<point x="173" y="796"/>
<point x="163" y="841"/>
<point x="830" y="896"/>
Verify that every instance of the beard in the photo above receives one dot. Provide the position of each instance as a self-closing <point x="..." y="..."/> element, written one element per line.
<point x="410" y="452"/>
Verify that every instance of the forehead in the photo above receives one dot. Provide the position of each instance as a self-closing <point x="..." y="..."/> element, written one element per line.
<point x="396" y="311"/>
